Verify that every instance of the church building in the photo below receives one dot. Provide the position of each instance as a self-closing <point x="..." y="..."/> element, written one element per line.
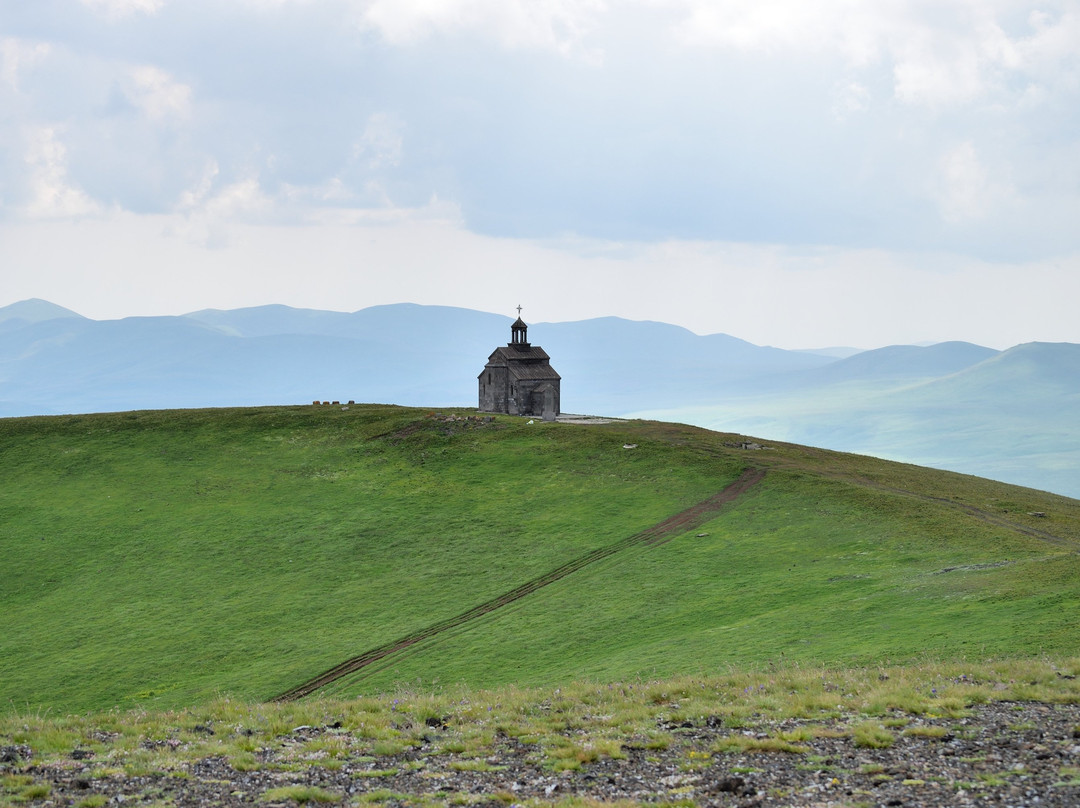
<point x="518" y="379"/>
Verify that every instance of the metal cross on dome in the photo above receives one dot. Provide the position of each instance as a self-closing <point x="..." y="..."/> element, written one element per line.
<point x="519" y="311"/>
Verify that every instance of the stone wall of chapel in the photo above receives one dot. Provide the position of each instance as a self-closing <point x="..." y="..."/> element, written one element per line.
<point x="493" y="390"/>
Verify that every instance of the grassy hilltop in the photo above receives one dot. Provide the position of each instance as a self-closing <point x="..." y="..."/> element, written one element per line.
<point x="163" y="558"/>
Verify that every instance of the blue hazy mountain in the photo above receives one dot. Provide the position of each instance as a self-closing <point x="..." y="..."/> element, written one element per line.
<point x="27" y="312"/>
<point x="899" y="362"/>
<point x="394" y="323"/>
<point x="1009" y="415"/>
<point x="609" y="365"/>
<point x="405" y="353"/>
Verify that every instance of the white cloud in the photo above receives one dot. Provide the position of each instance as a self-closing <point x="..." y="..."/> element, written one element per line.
<point x="934" y="69"/>
<point x="850" y="97"/>
<point x="158" y="95"/>
<point x="209" y="219"/>
<point x="194" y="197"/>
<point x="16" y="55"/>
<point x="51" y="193"/>
<point x="242" y="199"/>
<point x="124" y="8"/>
<point x="966" y="189"/>
<point x="947" y="52"/>
<point x="561" y="25"/>
<point x="381" y="144"/>
<point x="975" y="57"/>
<point x="333" y="191"/>
<point x="769" y="25"/>
<point x="1051" y="55"/>
<point x="952" y="126"/>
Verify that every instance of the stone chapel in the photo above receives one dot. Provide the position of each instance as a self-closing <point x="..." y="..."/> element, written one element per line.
<point x="518" y="379"/>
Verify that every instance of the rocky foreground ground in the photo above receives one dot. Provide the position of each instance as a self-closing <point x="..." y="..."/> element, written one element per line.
<point x="1003" y="753"/>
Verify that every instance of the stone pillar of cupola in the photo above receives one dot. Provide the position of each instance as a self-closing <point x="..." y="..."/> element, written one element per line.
<point x="519" y="333"/>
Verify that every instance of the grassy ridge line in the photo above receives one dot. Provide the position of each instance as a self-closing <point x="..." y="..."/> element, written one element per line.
<point x="663" y="531"/>
<point x="984" y="515"/>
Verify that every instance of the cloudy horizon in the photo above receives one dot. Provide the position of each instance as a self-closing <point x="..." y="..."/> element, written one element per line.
<point x="841" y="173"/>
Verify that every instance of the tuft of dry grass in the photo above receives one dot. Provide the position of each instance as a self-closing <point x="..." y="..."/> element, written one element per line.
<point x="872" y="735"/>
<point x="299" y="794"/>
<point x="926" y="731"/>
<point x="739" y="744"/>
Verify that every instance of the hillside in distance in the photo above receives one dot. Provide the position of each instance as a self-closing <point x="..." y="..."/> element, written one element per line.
<point x="163" y="558"/>
<point x="898" y="402"/>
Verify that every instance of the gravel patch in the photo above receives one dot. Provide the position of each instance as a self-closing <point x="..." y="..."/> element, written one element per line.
<point x="1001" y="754"/>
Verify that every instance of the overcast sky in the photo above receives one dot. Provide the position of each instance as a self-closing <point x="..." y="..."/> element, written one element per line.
<point x="794" y="173"/>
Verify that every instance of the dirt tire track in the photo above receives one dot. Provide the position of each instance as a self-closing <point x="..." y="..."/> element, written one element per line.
<point x="657" y="534"/>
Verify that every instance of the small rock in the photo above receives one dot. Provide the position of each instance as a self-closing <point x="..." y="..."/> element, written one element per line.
<point x="732" y="785"/>
<point x="13" y="754"/>
<point x="81" y="754"/>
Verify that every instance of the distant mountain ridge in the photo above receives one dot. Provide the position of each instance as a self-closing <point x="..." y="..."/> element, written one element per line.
<point x="34" y="310"/>
<point x="907" y="361"/>
<point x="1009" y="415"/>
<point x="402" y="353"/>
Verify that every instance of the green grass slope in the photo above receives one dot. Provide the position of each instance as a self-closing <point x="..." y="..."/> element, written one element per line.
<point x="161" y="558"/>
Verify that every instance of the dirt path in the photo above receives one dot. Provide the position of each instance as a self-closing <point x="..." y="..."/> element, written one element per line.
<point x="657" y="534"/>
